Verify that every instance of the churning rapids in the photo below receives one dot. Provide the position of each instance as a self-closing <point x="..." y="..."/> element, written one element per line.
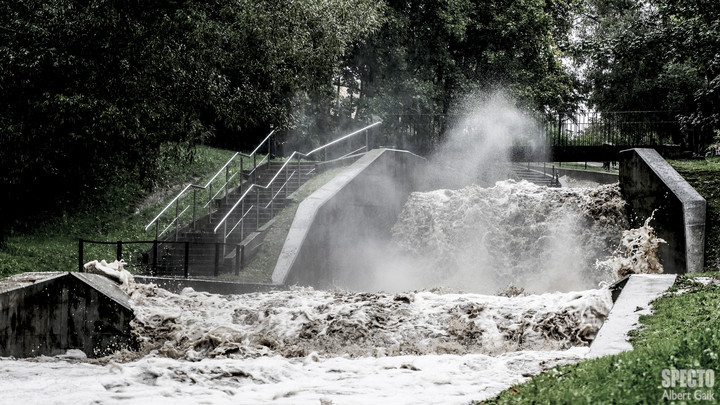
<point x="416" y="347"/>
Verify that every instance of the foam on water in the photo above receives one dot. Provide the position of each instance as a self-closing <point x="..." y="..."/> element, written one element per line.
<point x="535" y="237"/>
<point x="305" y="346"/>
<point x="195" y="325"/>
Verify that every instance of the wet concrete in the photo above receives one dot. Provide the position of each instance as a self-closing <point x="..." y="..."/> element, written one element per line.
<point x="649" y="184"/>
<point x="633" y="301"/>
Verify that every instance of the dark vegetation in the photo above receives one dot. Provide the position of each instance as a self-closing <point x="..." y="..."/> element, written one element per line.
<point x="113" y="213"/>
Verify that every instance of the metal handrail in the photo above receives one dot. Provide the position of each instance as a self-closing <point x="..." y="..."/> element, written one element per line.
<point x="283" y="187"/>
<point x="208" y="186"/>
<point x="295" y="154"/>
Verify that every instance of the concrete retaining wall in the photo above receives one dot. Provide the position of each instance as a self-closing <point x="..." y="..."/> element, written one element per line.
<point x="47" y="315"/>
<point x="332" y="227"/>
<point x="649" y="183"/>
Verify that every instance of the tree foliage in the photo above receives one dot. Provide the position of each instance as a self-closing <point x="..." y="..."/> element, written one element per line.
<point x="429" y="55"/>
<point x="653" y="55"/>
<point x="101" y="92"/>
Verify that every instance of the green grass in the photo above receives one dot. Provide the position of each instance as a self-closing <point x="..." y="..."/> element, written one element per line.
<point x="682" y="333"/>
<point x="118" y="214"/>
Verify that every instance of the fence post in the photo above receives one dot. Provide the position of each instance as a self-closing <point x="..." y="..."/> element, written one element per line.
<point x="257" y="209"/>
<point x="119" y="251"/>
<point x="177" y="218"/>
<point x="194" y="206"/>
<point x="242" y="220"/>
<point x="227" y="176"/>
<point x="187" y="259"/>
<point x="217" y="259"/>
<point x="155" y="258"/>
<point x="239" y="251"/>
<point x="81" y="244"/>
<point x="298" y="172"/>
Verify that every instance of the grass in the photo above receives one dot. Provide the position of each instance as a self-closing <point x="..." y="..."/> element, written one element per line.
<point x="682" y="333"/>
<point x="119" y="214"/>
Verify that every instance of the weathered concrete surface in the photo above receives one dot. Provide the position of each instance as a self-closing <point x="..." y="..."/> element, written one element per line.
<point x="49" y="314"/>
<point x="333" y="225"/>
<point x="634" y="300"/>
<point x="648" y="184"/>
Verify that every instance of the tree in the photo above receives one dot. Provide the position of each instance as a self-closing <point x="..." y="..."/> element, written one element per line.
<point x="653" y="55"/>
<point x="100" y="93"/>
<point x="429" y="55"/>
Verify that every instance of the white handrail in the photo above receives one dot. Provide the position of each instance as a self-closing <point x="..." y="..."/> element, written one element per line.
<point x="207" y="185"/>
<point x="289" y="159"/>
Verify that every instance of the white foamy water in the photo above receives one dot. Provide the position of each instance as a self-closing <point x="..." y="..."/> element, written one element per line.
<point x="305" y="346"/>
<point x="534" y="237"/>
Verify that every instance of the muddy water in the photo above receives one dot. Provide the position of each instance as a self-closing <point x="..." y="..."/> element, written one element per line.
<point x="195" y="325"/>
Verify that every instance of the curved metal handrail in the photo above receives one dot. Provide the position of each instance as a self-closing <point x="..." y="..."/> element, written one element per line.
<point x="295" y="154"/>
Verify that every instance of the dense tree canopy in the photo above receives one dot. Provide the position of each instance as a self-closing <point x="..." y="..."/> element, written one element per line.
<point x="654" y="55"/>
<point x="429" y="55"/>
<point x="102" y="92"/>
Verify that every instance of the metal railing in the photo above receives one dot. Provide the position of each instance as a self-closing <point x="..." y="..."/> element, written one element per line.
<point x="423" y="132"/>
<point x="625" y="128"/>
<point x="240" y="203"/>
<point x="222" y="191"/>
<point x="155" y="262"/>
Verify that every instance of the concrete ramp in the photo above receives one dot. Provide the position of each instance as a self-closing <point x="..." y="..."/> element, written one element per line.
<point x="49" y="313"/>
<point x="633" y="301"/>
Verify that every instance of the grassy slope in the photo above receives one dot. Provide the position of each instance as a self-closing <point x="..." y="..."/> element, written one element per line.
<point x="681" y="333"/>
<point x="119" y="215"/>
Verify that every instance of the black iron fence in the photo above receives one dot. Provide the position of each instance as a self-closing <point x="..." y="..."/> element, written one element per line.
<point x="184" y="259"/>
<point x="421" y="133"/>
<point x="628" y="129"/>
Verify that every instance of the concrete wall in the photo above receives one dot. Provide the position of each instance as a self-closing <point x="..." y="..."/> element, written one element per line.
<point x="649" y="183"/>
<point x="65" y="311"/>
<point x="333" y="227"/>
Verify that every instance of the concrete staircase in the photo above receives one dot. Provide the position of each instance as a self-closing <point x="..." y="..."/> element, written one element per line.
<point x="535" y="176"/>
<point x="210" y="253"/>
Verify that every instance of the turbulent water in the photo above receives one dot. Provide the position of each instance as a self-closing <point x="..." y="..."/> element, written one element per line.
<point x="424" y="346"/>
<point x="535" y="237"/>
<point x="296" y="323"/>
<point x="320" y="347"/>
